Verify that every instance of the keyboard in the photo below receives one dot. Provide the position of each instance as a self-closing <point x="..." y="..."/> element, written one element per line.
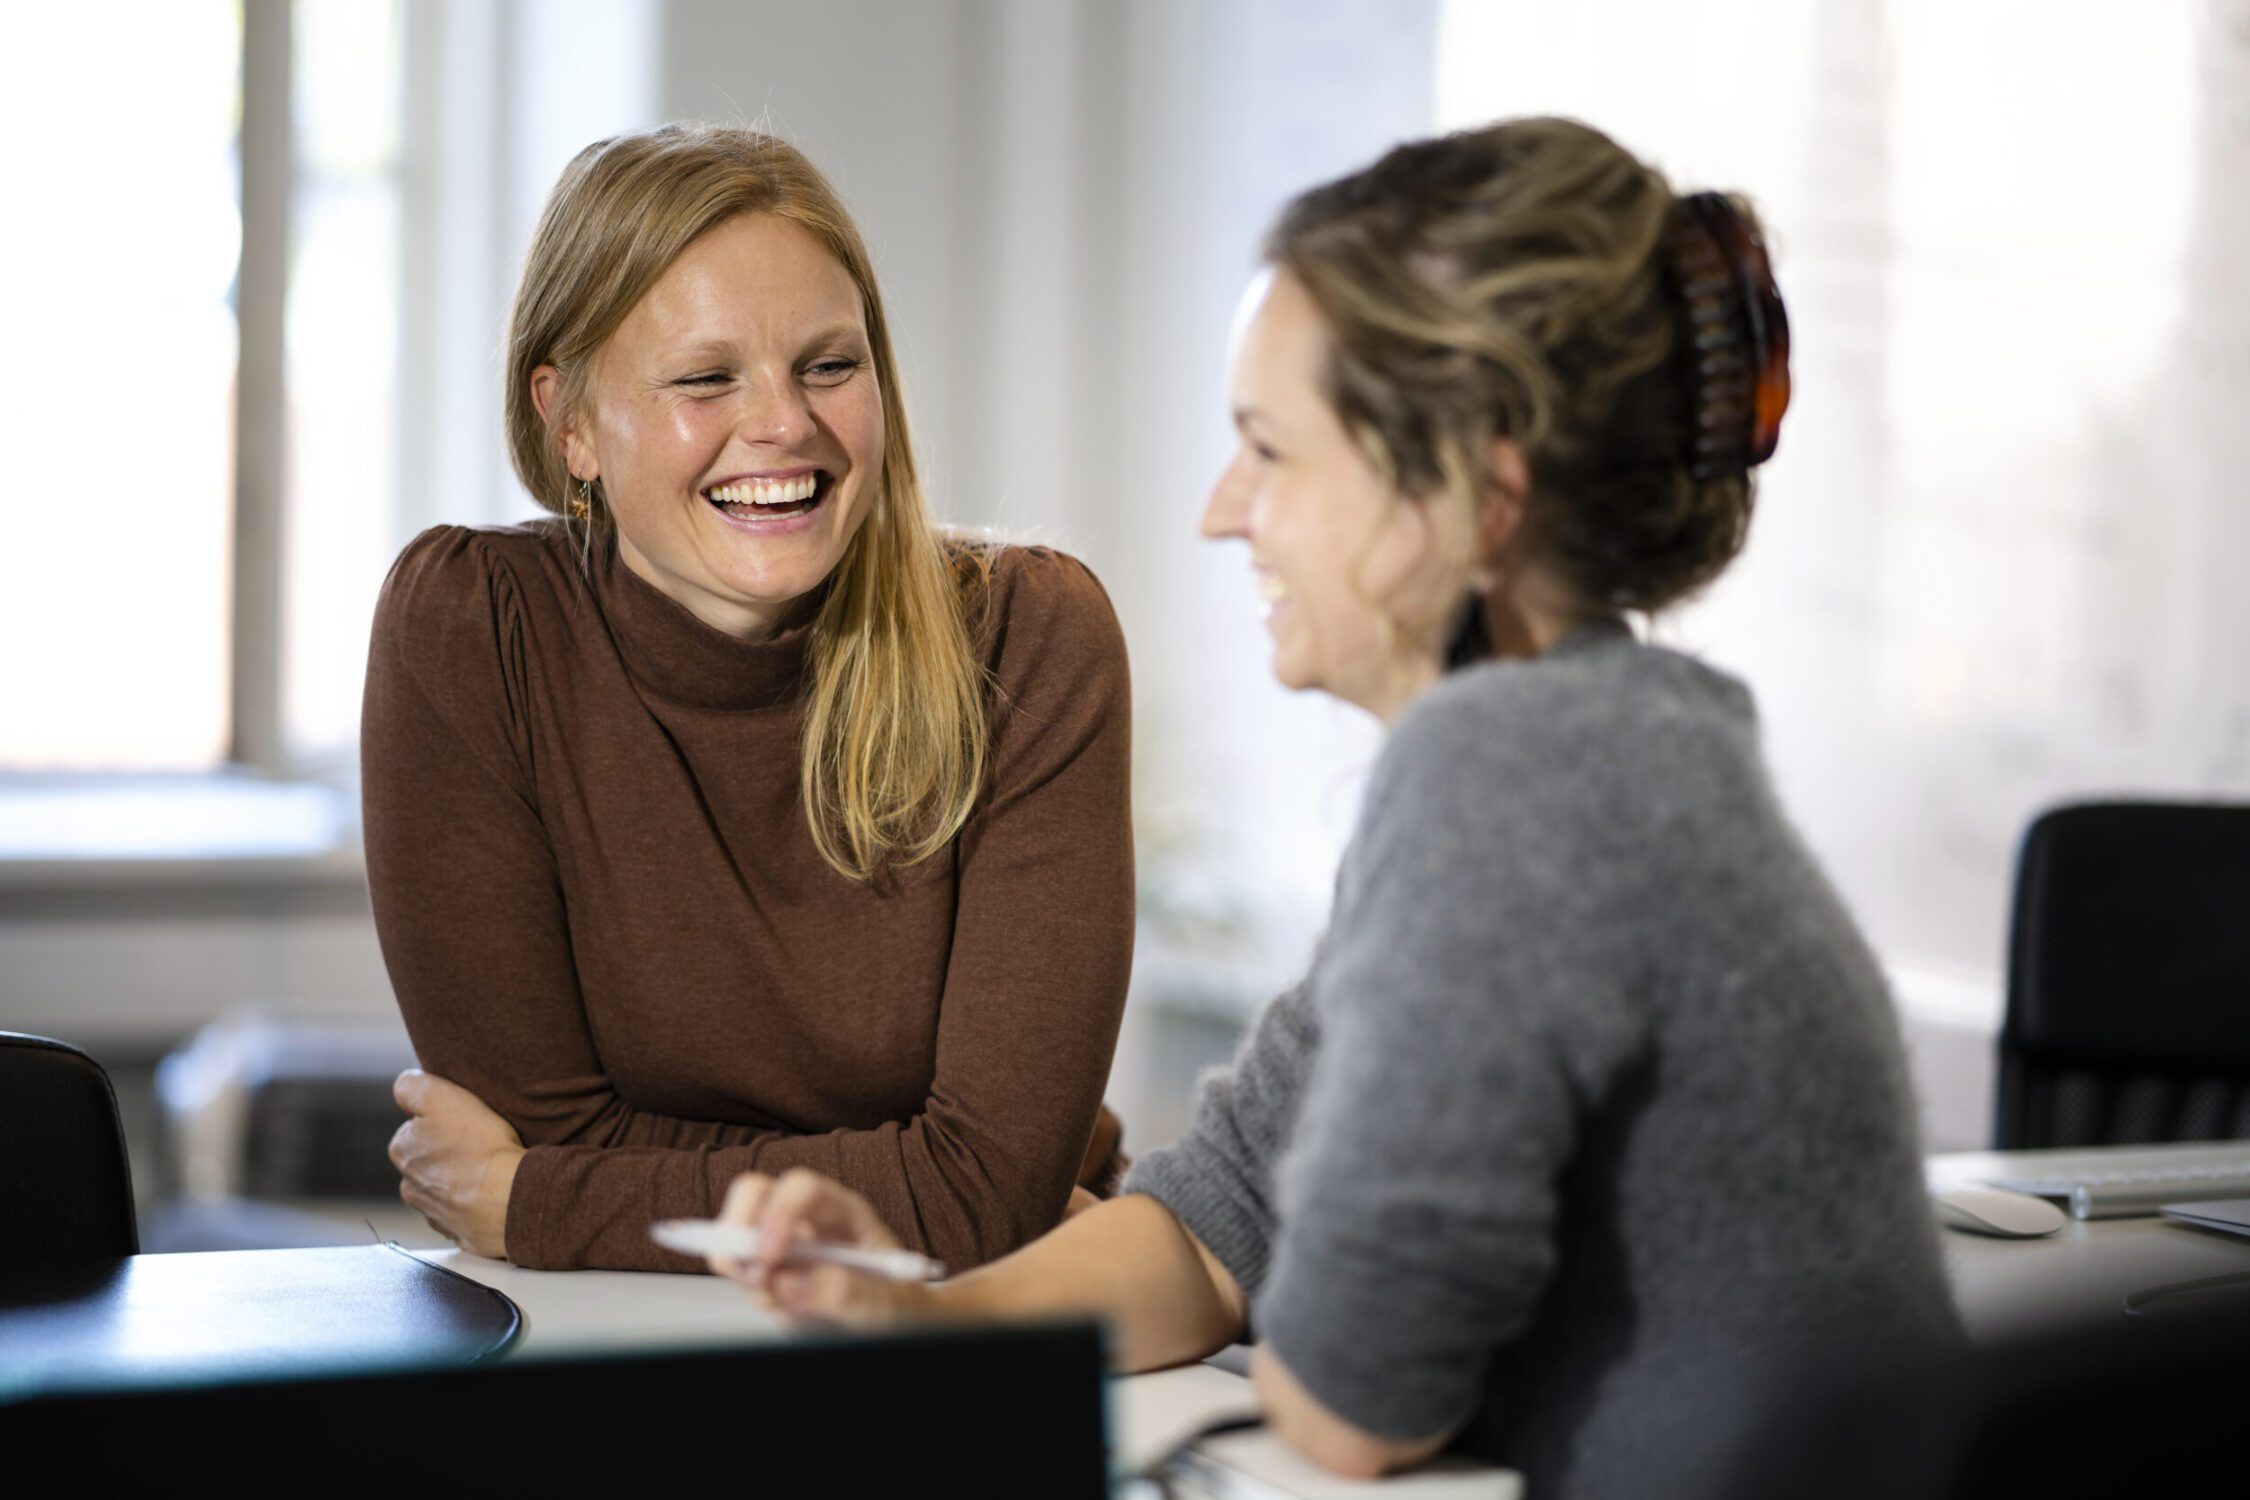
<point x="2117" y="1184"/>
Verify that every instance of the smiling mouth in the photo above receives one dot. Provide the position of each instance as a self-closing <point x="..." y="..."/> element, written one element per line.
<point x="763" y="499"/>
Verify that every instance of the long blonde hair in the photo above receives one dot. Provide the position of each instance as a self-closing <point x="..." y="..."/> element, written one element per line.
<point x="895" y="735"/>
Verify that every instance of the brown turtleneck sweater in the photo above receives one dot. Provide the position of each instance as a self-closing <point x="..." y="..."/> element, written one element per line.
<point x="603" y="912"/>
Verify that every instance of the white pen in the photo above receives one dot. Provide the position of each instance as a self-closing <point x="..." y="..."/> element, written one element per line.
<point x="739" y="1242"/>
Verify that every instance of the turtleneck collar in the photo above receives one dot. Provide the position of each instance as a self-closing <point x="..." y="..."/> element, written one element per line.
<point x="679" y="657"/>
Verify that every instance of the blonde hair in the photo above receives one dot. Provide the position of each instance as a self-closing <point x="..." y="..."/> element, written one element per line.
<point x="1513" y="281"/>
<point x="895" y="735"/>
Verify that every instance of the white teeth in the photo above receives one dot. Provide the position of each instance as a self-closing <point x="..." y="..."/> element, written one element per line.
<point x="767" y="491"/>
<point x="1271" y="589"/>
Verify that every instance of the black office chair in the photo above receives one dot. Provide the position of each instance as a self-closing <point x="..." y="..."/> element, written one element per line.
<point x="66" y="1192"/>
<point x="2128" y="978"/>
<point x="2124" y="1406"/>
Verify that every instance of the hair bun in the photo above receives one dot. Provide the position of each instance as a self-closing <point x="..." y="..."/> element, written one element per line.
<point x="1736" y="345"/>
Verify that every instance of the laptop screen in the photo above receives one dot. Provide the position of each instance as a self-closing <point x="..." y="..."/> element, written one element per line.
<point x="988" y="1410"/>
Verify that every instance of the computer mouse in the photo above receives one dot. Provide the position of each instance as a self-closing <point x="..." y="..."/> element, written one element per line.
<point x="1997" y="1212"/>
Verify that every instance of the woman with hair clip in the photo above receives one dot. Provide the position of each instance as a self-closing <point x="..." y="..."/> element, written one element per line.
<point x="1590" y="1118"/>
<point x="737" y="819"/>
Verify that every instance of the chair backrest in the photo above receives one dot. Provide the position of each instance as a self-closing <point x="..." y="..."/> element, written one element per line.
<point x="2126" y="1405"/>
<point x="66" y="1191"/>
<point x="2128" y="978"/>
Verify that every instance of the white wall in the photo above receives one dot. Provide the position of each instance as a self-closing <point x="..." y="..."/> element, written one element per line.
<point x="1064" y="202"/>
<point x="500" y="94"/>
<point x="1997" y="559"/>
<point x="128" y="971"/>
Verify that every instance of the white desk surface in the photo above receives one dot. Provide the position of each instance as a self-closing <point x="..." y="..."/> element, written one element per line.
<point x="2002" y="1286"/>
<point x="2087" y="1269"/>
<point x="571" y="1312"/>
<point x="568" y="1312"/>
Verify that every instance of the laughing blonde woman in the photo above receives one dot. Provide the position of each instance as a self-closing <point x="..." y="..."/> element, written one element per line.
<point x="736" y="818"/>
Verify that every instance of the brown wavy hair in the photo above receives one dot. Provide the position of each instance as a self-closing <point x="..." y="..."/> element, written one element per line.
<point x="1512" y="281"/>
<point x="895" y="737"/>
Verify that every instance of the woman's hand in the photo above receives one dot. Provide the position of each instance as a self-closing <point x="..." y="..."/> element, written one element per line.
<point x="803" y="1205"/>
<point x="456" y="1161"/>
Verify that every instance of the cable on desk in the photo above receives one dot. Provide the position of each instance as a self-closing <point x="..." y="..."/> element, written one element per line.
<point x="2148" y="1301"/>
<point x="1159" y="1470"/>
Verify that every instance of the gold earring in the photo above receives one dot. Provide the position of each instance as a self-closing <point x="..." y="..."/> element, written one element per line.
<point x="581" y="505"/>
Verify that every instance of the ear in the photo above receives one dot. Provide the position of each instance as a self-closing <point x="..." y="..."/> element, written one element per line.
<point x="547" y="396"/>
<point x="1500" y="516"/>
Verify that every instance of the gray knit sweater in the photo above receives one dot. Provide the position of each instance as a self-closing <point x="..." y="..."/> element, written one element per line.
<point x="1590" y="1122"/>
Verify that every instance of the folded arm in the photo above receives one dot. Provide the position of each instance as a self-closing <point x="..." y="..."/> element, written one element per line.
<point x="470" y="908"/>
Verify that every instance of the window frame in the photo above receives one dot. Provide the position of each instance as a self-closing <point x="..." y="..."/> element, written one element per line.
<point x="255" y="738"/>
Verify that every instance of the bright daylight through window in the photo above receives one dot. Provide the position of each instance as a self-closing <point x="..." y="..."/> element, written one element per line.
<point x="114" y="583"/>
<point x="118" y="588"/>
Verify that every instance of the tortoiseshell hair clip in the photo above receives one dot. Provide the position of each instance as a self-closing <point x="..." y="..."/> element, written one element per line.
<point x="1737" y="351"/>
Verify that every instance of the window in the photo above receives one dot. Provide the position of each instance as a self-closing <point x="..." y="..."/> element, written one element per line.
<point x="202" y="500"/>
<point x="119" y="384"/>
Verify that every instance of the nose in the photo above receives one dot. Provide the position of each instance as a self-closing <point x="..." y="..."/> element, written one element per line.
<point x="775" y="414"/>
<point x="1227" y="513"/>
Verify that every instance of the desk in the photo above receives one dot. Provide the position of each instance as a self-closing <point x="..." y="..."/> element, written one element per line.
<point x="589" y="1312"/>
<point x="2083" y="1272"/>
<point x="2003" y="1286"/>
<point x="574" y="1312"/>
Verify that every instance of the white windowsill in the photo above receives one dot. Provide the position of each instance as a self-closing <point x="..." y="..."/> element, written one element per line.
<point x="225" y="828"/>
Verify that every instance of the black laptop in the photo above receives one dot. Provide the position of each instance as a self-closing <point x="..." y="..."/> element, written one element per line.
<point x="986" y="1411"/>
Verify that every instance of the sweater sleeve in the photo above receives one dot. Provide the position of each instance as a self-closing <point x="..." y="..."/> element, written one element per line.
<point x="1477" y="998"/>
<point x="1219" y="1179"/>
<point x="1034" y="989"/>
<point x="468" y="901"/>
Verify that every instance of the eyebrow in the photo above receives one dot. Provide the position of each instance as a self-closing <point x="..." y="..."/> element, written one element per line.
<point x="838" y="331"/>
<point x="1245" y="415"/>
<point x="718" y="348"/>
